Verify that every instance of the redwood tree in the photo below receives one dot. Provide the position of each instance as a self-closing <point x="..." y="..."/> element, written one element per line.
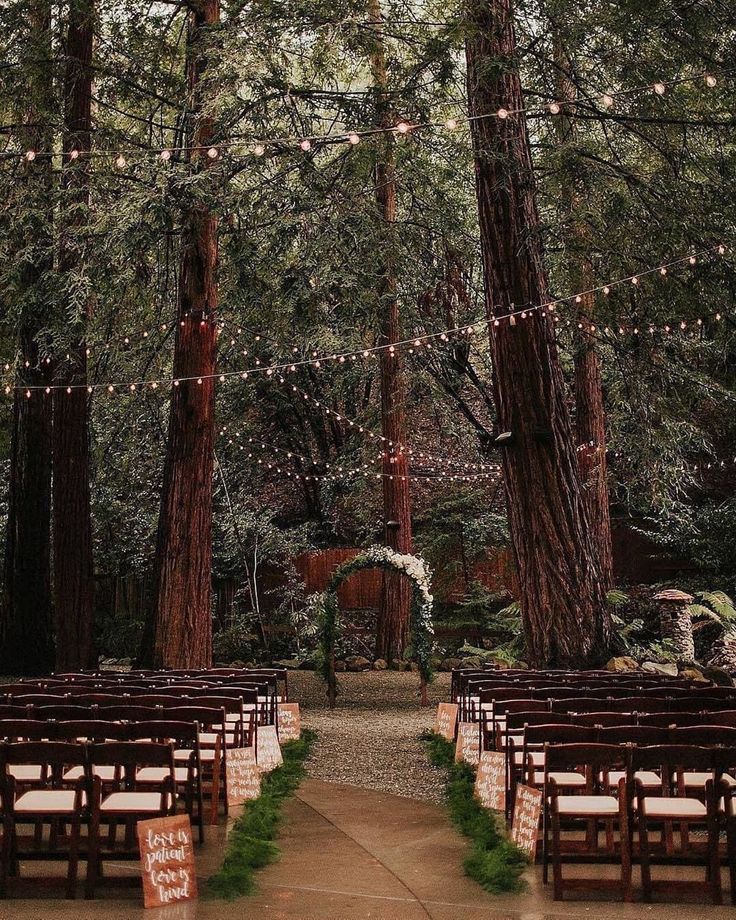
<point x="72" y="521"/>
<point x="183" y="565"/>
<point x="562" y="593"/>
<point x="590" y="413"/>
<point x="25" y="628"/>
<point x="395" y="604"/>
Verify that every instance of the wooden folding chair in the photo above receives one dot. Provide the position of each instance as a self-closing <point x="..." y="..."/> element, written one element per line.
<point x="594" y="803"/>
<point x="48" y="801"/>
<point x="123" y="800"/>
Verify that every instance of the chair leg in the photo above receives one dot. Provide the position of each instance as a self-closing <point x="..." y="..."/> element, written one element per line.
<point x="6" y="854"/>
<point x="625" y="851"/>
<point x="714" y="860"/>
<point x="71" y="875"/>
<point x="545" y="843"/>
<point x="93" y="855"/>
<point x="646" y="872"/>
<point x="556" y="855"/>
<point x="731" y="854"/>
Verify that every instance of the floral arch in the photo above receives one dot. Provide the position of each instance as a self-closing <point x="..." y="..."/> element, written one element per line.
<point x="421" y="634"/>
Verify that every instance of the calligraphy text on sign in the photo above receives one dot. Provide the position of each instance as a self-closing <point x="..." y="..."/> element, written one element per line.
<point x="290" y="727"/>
<point x="167" y="860"/>
<point x="268" y="747"/>
<point x="525" y="825"/>
<point x="243" y="776"/>
<point x="446" y="719"/>
<point x="468" y="742"/>
<point x="490" y="781"/>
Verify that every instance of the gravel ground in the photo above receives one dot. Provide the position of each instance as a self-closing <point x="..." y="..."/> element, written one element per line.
<point x="371" y="738"/>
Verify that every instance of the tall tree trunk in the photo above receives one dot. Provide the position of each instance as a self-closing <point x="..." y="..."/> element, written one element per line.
<point x="562" y="596"/>
<point x="26" y="645"/>
<point x="183" y="565"/>
<point x="590" y="413"/>
<point x="395" y="604"/>
<point x="72" y="519"/>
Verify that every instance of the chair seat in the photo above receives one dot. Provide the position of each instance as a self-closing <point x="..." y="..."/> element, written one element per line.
<point x="105" y="773"/>
<point x="648" y="778"/>
<point x="133" y="802"/>
<point x="696" y="780"/>
<point x="26" y="773"/>
<point x="536" y="757"/>
<point x="567" y="779"/>
<point x="211" y="737"/>
<point x="46" y="801"/>
<point x="207" y="755"/>
<point x="158" y="774"/>
<point x="679" y="807"/>
<point x="587" y="805"/>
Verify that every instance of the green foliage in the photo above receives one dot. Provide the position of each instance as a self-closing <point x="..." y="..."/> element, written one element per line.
<point x="494" y="862"/>
<point x="250" y="844"/>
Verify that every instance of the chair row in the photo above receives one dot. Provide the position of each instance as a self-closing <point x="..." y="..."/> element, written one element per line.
<point x="85" y="784"/>
<point x="629" y="809"/>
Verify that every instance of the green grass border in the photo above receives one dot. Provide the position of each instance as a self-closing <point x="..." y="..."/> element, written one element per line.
<point x="493" y="862"/>
<point x="250" y="845"/>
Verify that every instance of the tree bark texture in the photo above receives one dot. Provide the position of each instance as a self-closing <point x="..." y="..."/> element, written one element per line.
<point x="26" y="646"/>
<point x="183" y="565"/>
<point x="564" y="613"/>
<point x="72" y="519"/>
<point x="590" y="413"/>
<point x="394" y="611"/>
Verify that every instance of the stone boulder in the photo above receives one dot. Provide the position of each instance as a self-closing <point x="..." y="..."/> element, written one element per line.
<point x="473" y="661"/>
<point x="668" y="669"/>
<point x="291" y="664"/>
<point x="340" y="666"/>
<point x="693" y="674"/>
<point x="309" y="664"/>
<point x="380" y="664"/>
<point x="622" y="663"/>
<point x="718" y="676"/>
<point x="357" y="663"/>
<point x="451" y="664"/>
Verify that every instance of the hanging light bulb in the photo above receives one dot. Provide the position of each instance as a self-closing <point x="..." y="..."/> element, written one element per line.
<point x="120" y="161"/>
<point x="306" y="144"/>
<point x="451" y="124"/>
<point x="30" y="155"/>
<point x="502" y="113"/>
<point x="403" y="127"/>
<point x="660" y="89"/>
<point x="74" y="154"/>
<point x="607" y="100"/>
<point x="353" y="138"/>
<point x="165" y="155"/>
<point x="213" y="153"/>
<point x="710" y="80"/>
<point x="554" y="108"/>
<point x="259" y="150"/>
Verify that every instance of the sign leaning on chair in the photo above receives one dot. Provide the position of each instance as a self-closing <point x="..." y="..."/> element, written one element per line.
<point x="243" y="776"/>
<point x="167" y="860"/>
<point x="467" y="747"/>
<point x="268" y="749"/>
<point x="525" y="825"/>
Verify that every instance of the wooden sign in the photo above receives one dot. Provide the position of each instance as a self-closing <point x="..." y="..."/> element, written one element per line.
<point x="167" y="860"/>
<point x="525" y="826"/>
<point x="290" y="722"/>
<point x="467" y="747"/>
<point x="243" y="776"/>
<point x="490" y="780"/>
<point x="268" y="749"/>
<point x="446" y="720"/>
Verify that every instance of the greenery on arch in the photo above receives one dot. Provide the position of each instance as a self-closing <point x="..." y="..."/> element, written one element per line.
<point x="420" y="627"/>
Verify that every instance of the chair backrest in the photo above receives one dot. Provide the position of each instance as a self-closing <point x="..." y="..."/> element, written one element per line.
<point x="704" y="735"/>
<point x="52" y="756"/>
<point x="128" y="755"/>
<point x="696" y="703"/>
<point x="38" y="699"/>
<point x="129" y="712"/>
<point x="24" y="730"/>
<point x="722" y="717"/>
<point x="64" y="712"/>
<point x="9" y="711"/>
<point x="670" y="757"/>
<point x="578" y="704"/>
<point x="595" y="758"/>
<point x="633" y="734"/>
<point x="88" y="730"/>
<point x="665" y="719"/>
<point x="165" y="731"/>
<point x="517" y="720"/>
<point x="206" y="717"/>
<point x="602" y="718"/>
<point x="557" y="733"/>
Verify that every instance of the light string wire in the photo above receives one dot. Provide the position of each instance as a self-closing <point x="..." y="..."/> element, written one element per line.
<point x="263" y="145"/>
<point x="341" y="357"/>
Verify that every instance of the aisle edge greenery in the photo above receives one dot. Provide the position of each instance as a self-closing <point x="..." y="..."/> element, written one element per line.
<point x="250" y="845"/>
<point x="493" y="862"/>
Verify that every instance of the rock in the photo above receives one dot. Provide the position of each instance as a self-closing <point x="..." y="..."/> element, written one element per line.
<point x="357" y="663"/>
<point x="237" y="663"/>
<point x="718" y="676"/>
<point x="693" y="674"/>
<point x="451" y="664"/>
<point x="380" y="664"/>
<point x="340" y="666"/>
<point x="221" y="664"/>
<point x="724" y="654"/>
<point x="472" y="651"/>
<point x="472" y="662"/>
<point x="622" y="663"/>
<point x="435" y="662"/>
<point x="500" y="663"/>
<point x="654" y="667"/>
<point x="413" y="666"/>
<point x="309" y="664"/>
<point x="291" y="664"/>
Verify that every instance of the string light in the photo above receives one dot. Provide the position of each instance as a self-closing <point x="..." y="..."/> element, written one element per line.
<point x="607" y="101"/>
<point x="425" y="340"/>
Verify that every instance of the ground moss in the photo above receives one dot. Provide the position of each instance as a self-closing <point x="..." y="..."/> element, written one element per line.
<point x="250" y="845"/>
<point x="493" y="862"/>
